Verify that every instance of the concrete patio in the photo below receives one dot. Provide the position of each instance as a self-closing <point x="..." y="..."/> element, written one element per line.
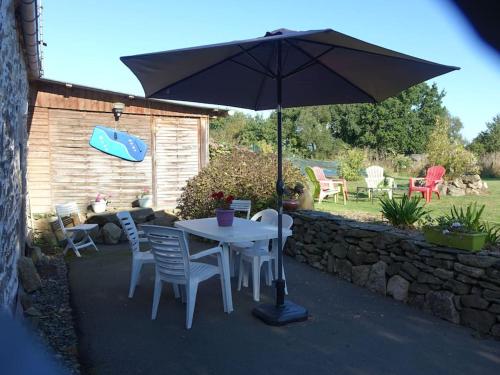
<point x="350" y="331"/>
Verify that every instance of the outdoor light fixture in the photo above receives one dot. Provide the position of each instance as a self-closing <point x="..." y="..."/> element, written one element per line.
<point x="118" y="110"/>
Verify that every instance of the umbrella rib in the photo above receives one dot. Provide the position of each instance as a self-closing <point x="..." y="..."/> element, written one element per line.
<point x="333" y="71"/>
<point x="309" y="63"/>
<point x="405" y="58"/>
<point x="253" y="69"/>
<point x="261" y="86"/>
<point x="229" y="58"/>
<point x="273" y="75"/>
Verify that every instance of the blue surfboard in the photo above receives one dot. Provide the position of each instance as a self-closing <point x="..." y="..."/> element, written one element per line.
<point x="119" y="144"/>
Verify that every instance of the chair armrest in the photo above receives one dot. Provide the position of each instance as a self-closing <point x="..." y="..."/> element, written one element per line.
<point x="141" y="233"/>
<point x="390" y="181"/>
<point x="413" y="179"/>
<point x="204" y="253"/>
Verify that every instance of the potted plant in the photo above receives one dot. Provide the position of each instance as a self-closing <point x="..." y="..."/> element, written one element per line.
<point x="223" y="211"/>
<point x="460" y="229"/>
<point x="145" y="198"/>
<point x="100" y="202"/>
<point x="291" y="195"/>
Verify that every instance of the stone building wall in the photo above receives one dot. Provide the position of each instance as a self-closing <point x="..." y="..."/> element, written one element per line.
<point x="459" y="286"/>
<point x="13" y="107"/>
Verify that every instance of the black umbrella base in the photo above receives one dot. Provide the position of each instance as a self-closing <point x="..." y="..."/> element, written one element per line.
<point x="274" y="315"/>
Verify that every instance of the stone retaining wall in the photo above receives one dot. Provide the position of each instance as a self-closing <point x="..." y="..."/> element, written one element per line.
<point x="13" y="106"/>
<point x="455" y="285"/>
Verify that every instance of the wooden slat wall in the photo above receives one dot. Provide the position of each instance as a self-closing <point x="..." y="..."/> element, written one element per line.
<point x="39" y="185"/>
<point x="177" y="157"/>
<point x="79" y="171"/>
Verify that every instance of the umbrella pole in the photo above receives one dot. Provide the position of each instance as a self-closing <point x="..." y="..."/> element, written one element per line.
<point x="282" y="312"/>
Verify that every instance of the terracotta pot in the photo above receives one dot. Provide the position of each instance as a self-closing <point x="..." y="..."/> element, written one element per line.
<point x="290" y="204"/>
<point x="224" y="217"/>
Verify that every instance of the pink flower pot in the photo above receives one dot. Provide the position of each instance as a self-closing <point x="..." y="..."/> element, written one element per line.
<point x="224" y="217"/>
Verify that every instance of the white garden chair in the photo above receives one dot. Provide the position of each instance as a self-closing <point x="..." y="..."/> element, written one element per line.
<point x="242" y="206"/>
<point x="175" y="265"/>
<point x="259" y="254"/>
<point x="77" y="236"/>
<point x="374" y="177"/>
<point x="138" y="257"/>
<point x="265" y="216"/>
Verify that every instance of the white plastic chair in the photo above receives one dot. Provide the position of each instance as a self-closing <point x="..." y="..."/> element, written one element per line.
<point x="175" y="265"/>
<point x="138" y="257"/>
<point x="265" y="216"/>
<point x="242" y="206"/>
<point x="375" y="176"/>
<point x="64" y="212"/>
<point x="259" y="254"/>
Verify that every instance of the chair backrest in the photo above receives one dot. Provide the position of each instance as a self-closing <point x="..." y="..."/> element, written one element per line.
<point x="286" y="223"/>
<point x="170" y="251"/>
<point x="434" y="173"/>
<point x="374" y="176"/>
<point x="319" y="173"/>
<point x="266" y="216"/>
<point x="128" y="226"/>
<point x="243" y="206"/>
<point x="374" y="171"/>
<point x="65" y="213"/>
<point x="314" y="180"/>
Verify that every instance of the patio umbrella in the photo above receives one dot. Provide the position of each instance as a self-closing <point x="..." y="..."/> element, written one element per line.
<point x="282" y="69"/>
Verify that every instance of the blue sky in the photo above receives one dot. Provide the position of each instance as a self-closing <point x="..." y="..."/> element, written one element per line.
<point x="86" y="38"/>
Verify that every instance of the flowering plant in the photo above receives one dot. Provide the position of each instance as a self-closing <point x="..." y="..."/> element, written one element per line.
<point x="102" y="198"/>
<point x="221" y="201"/>
<point x="145" y="191"/>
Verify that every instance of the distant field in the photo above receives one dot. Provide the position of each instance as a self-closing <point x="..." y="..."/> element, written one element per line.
<point x="438" y="207"/>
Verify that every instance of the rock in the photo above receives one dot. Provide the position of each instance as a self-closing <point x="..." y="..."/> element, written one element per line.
<point x="465" y="279"/>
<point x="339" y="250"/>
<point x="419" y="288"/>
<point x="456" y="287"/>
<point x="356" y="256"/>
<point x="360" y="275"/>
<point x="495" y="308"/>
<point x="343" y="268"/>
<point x="495" y="330"/>
<point x="111" y="233"/>
<point x="393" y="269"/>
<point x="329" y="266"/>
<point x="455" y="191"/>
<point x="38" y="256"/>
<point x="488" y="285"/>
<point x="458" y="183"/>
<point x="398" y="288"/>
<point x="27" y="275"/>
<point x="366" y="246"/>
<point x="477" y="260"/>
<point x="376" y="279"/>
<point x="417" y="300"/>
<point x="300" y="258"/>
<point x="473" y="300"/>
<point x="469" y="271"/>
<point x="426" y="278"/>
<point x="371" y="258"/>
<point x="441" y="304"/>
<point x="32" y="311"/>
<point x="410" y="269"/>
<point x="492" y="295"/>
<point x="26" y="300"/>
<point x="479" y="320"/>
<point x="443" y="274"/>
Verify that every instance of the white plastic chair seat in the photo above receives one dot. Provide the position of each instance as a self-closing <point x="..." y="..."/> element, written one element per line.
<point x="144" y="255"/>
<point x="242" y="245"/>
<point x="259" y="252"/>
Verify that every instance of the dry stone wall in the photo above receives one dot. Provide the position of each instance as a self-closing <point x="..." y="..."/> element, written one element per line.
<point x="13" y="105"/>
<point x="455" y="285"/>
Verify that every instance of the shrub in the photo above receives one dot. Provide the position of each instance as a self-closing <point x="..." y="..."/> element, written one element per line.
<point x="243" y="174"/>
<point x="490" y="165"/>
<point x="401" y="163"/>
<point x="405" y="213"/>
<point x="351" y="163"/>
<point x="453" y="156"/>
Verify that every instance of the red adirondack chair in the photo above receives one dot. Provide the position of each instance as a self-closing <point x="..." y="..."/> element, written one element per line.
<point x="432" y="179"/>
<point x="326" y="183"/>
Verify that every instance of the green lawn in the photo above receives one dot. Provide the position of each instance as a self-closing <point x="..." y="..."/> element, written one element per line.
<point x="437" y="206"/>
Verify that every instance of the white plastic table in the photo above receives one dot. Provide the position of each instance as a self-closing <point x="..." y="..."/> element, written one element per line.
<point x="241" y="230"/>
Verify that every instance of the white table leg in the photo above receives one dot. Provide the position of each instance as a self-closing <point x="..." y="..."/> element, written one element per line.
<point x="227" y="278"/>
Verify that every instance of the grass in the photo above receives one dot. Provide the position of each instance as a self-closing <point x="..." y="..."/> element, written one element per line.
<point x="437" y="206"/>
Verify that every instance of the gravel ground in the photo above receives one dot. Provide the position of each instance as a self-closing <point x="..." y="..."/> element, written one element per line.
<point x="51" y="314"/>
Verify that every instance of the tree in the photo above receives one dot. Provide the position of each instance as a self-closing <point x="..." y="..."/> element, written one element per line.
<point x="488" y="140"/>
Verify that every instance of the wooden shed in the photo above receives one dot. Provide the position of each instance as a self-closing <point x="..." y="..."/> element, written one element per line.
<point x="63" y="167"/>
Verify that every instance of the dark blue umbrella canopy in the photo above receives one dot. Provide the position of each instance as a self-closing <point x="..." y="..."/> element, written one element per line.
<point x="317" y="67"/>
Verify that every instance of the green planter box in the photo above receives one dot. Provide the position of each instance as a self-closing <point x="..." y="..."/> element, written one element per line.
<point x="457" y="240"/>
